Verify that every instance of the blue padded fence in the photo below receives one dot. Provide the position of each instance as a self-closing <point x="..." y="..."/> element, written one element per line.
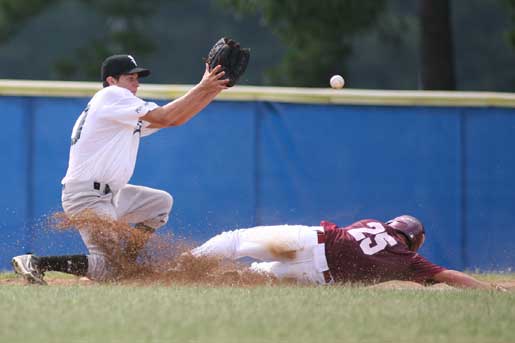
<point x="241" y="164"/>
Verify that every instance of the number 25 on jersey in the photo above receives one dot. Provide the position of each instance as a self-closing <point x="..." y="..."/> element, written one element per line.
<point x="378" y="240"/>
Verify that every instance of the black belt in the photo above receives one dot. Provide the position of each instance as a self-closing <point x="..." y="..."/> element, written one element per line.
<point x="85" y="186"/>
<point x="327" y="274"/>
<point x="96" y="185"/>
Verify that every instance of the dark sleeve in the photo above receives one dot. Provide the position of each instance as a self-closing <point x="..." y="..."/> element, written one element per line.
<point x="423" y="270"/>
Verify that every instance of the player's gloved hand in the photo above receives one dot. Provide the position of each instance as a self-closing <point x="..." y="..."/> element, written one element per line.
<point x="231" y="57"/>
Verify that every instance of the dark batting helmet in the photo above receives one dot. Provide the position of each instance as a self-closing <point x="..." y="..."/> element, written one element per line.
<point x="411" y="228"/>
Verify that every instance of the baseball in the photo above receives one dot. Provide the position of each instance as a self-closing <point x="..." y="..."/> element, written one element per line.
<point x="337" y="81"/>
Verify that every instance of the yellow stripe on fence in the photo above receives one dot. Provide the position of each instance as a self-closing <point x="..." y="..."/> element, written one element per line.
<point x="276" y="94"/>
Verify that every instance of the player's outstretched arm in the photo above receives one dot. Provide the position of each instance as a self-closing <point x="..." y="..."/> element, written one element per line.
<point x="462" y="280"/>
<point x="187" y="106"/>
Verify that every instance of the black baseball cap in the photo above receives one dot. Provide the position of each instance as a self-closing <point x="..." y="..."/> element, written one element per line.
<point x="121" y="64"/>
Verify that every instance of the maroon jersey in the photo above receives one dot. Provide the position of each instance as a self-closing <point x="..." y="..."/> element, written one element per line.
<point x="371" y="251"/>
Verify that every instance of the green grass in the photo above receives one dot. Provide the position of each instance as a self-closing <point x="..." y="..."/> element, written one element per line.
<point x="48" y="275"/>
<point x="111" y="313"/>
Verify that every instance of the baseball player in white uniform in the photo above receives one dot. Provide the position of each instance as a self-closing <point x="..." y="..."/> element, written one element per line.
<point x="104" y="147"/>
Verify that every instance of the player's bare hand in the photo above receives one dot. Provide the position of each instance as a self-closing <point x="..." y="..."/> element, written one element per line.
<point x="499" y="288"/>
<point x="213" y="80"/>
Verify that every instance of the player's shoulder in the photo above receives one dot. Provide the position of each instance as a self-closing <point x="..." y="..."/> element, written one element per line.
<point x="362" y="223"/>
<point x="368" y="222"/>
<point x="116" y="91"/>
<point x="112" y="94"/>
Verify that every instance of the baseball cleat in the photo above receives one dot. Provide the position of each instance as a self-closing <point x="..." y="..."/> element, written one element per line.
<point x="27" y="266"/>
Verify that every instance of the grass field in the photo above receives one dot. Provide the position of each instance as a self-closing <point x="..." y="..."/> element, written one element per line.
<point x="123" y="313"/>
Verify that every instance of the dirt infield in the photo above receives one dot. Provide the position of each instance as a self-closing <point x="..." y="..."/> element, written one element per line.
<point x="396" y="284"/>
<point x="231" y="280"/>
<point x="139" y="258"/>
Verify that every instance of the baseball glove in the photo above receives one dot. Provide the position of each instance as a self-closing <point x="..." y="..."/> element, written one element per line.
<point x="233" y="59"/>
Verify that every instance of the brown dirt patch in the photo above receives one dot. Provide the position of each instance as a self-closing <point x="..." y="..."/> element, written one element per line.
<point x="281" y="252"/>
<point x="396" y="284"/>
<point x="137" y="256"/>
<point x="144" y="259"/>
<point x="54" y="281"/>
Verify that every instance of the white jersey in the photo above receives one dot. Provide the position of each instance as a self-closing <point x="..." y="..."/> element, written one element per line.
<point x="105" y="138"/>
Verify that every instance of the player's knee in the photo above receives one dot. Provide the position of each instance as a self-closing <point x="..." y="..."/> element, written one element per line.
<point x="166" y="201"/>
<point x="159" y="217"/>
<point x="222" y="245"/>
<point x="165" y="207"/>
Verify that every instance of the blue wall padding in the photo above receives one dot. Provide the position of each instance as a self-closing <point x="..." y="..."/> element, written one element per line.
<point x="241" y="164"/>
<point x="490" y="187"/>
<point x="14" y="176"/>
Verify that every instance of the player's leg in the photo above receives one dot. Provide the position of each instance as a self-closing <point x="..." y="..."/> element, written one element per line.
<point x="96" y="265"/>
<point x="28" y="267"/>
<point x="289" y="251"/>
<point x="33" y="268"/>
<point x="143" y="206"/>
<point x="266" y="243"/>
<point x="300" y="271"/>
<point x="147" y="208"/>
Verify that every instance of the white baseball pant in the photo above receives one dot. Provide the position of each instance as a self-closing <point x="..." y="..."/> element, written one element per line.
<point x="131" y="204"/>
<point x="286" y="251"/>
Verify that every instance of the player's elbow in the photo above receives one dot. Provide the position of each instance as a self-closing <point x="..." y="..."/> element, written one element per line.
<point x="168" y="116"/>
<point x="157" y="118"/>
<point x="175" y="117"/>
<point x="178" y="118"/>
<point x="170" y="123"/>
<point x="178" y="122"/>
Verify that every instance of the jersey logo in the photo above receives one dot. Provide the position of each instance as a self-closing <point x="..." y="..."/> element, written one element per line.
<point x="375" y="243"/>
<point x="141" y="108"/>
<point x="138" y="128"/>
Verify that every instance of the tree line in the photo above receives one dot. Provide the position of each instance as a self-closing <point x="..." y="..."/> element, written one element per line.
<point x="317" y="38"/>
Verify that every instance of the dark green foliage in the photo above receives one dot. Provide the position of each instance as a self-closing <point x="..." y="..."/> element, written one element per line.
<point x="14" y="13"/>
<point x="123" y="8"/>
<point x="511" y="37"/>
<point x="125" y="30"/>
<point x="374" y="44"/>
<point x="317" y="34"/>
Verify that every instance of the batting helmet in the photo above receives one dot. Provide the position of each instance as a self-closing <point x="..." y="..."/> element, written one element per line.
<point x="411" y="228"/>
